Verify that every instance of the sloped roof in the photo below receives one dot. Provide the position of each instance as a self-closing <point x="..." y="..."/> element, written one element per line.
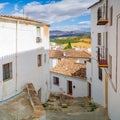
<point x="70" y="67"/>
<point x="26" y="19"/>
<point x="95" y="4"/>
<point x="71" y="53"/>
<point x="56" y="54"/>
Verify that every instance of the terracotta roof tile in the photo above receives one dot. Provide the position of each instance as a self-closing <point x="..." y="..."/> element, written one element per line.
<point x="72" y="53"/>
<point x="56" y="54"/>
<point x="69" y="67"/>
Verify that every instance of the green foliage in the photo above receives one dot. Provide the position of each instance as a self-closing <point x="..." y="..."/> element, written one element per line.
<point x="73" y="39"/>
<point x="82" y="104"/>
<point x="93" y="106"/>
<point x="69" y="46"/>
<point x="45" y="104"/>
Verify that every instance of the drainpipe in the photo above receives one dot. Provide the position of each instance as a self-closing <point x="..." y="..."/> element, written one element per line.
<point x="16" y="52"/>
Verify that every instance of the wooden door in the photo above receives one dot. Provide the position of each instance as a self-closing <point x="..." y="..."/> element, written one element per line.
<point x="89" y="90"/>
<point x="106" y="91"/>
<point x="70" y="87"/>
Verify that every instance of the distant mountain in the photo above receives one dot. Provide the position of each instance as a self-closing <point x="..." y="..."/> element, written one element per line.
<point x="58" y="33"/>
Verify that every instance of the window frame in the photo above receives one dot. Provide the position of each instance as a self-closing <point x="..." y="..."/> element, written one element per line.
<point x="39" y="60"/>
<point x="99" y="13"/>
<point x="38" y="31"/>
<point x="7" y="71"/>
<point x="99" y="38"/>
<point x="100" y="73"/>
<point x="56" y="80"/>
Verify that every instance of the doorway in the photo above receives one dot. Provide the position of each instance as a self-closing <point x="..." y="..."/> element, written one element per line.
<point x="106" y="91"/>
<point x="69" y="84"/>
<point x="39" y="94"/>
<point x="89" y="90"/>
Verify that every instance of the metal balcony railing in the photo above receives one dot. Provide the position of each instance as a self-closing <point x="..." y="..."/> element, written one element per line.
<point x="102" y="57"/>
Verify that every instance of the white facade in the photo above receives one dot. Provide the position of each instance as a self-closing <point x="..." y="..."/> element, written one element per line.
<point x="79" y="86"/>
<point x="107" y="91"/>
<point x="19" y="47"/>
<point x="97" y="84"/>
<point x="53" y="62"/>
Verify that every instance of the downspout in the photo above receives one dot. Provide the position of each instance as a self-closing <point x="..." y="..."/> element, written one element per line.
<point x="117" y="37"/>
<point x="16" y="53"/>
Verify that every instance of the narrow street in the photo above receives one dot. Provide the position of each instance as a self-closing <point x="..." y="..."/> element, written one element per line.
<point x="74" y="109"/>
<point x="52" y="115"/>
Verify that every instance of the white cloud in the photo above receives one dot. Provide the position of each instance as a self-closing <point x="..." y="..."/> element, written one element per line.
<point x="16" y="7"/>
<point x="56" y="12"/>
<point x="84" y="23"/>
<point x="2" y="5"/>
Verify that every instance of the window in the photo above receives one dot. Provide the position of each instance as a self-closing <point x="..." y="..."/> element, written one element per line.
<point x="38" y="39"/>
<point x="38" y="31"/>
<point x="56" y="81"/>
<point x="111" y="15"/>
<point x="110" y="66"/>
<point x="104" y="11"/>
<point x="44" y="58"/>
<point x="100" y="73"/>
<point x="7" y="71"/>
<point x="99" y="39"/>
<point x="99" y="14"/>
<point x="39" y="60"/>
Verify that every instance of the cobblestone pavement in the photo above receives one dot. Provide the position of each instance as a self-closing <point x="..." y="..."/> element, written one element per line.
<point x="77" y="109"/>
<point x="52" y="115"/>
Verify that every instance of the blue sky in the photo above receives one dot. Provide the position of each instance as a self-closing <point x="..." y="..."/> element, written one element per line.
<point x="60" y="14"/>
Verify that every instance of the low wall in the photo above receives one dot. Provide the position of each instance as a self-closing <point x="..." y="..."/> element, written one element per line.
<point x="39" y="112"/>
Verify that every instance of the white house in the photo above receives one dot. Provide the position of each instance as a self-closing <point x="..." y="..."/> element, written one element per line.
<point x="57" y="55"/>
<point x="105" y="66"/>
<point x="69" y="76"/>
<point x="24" y="56"/>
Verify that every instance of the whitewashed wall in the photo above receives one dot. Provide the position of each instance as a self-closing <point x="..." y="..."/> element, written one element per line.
<point x="89" y="71"/>
<point x="97" y="85"/>
<point x="80" y="90"/>
<point x="21" y="40"/>
<point x="53" y="62"/>
<point x="114" y="97"/>
<point x="113" y="35"/>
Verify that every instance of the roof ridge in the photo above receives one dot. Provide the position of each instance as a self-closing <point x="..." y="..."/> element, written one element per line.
<point x="21" y="18"/>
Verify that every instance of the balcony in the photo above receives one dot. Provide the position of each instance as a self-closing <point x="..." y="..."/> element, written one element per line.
<point x="102" y="16"/>
<point x="102" y="22"/>
<point x="102" y="57"/>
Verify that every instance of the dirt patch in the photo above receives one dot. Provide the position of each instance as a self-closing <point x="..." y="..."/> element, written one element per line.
<point x="16" y="108"/>
<point x="73" y="109"/>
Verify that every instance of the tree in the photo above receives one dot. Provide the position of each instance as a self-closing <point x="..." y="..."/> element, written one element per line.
<point x="69" y="46"/>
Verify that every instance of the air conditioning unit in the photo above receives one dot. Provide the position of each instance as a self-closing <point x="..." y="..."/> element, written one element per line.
<point x="38" y="39"/>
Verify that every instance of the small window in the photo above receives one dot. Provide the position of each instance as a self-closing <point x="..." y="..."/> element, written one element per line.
<point x="39" y="60"/>
<point x="38" y="36"/>
<point x="99" y="13"/>
<point x="38" y="31"/>
<point x="99" y="39"/>
<point x="110" y="66"/>
<point x="56" y="81"/>
<point x="104" y="11"/>
<point x="100" y="73"/>
<point x="44" y="58"/>
<point x="7" y="71"/>
<point x="111" y="15"/>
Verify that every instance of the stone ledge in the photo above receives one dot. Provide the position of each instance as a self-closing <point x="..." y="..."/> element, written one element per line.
<point x="39" y="112"/>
